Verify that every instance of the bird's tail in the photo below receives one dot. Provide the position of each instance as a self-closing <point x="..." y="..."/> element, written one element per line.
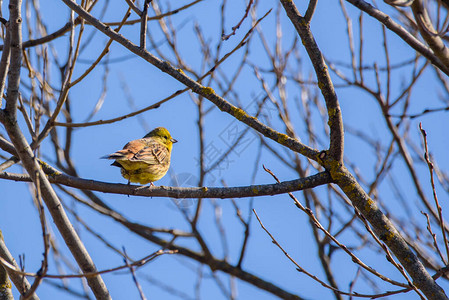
<point x="116" y="155"/>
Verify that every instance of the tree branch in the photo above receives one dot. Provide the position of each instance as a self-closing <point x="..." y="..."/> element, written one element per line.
<point x="57" y="177"/>
<point x="325" y="84"/>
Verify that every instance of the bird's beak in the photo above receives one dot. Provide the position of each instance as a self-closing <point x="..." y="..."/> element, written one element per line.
<point x="173" y="140"/>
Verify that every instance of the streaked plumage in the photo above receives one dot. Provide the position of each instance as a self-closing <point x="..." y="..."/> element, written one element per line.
<point x="147" y="159"/>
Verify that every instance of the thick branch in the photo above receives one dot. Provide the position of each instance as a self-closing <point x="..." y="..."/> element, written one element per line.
<point x="335" y="122"/>
<point x="4" y="62"/>
<point x="15" y="35"/>
<point x="180" y="192"/>
<point x="5" y="286"/>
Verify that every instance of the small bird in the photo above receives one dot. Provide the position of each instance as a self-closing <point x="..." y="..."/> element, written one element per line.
<point x="147" y="159"/>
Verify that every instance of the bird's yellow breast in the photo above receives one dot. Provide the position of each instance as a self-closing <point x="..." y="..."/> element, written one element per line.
<point x="132" y="165"/>
<point x="143" y="173"/>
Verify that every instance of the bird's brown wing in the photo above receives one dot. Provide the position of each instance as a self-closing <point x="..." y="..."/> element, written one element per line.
<point x="129" y="150"/>
<point x="143" y="150"/>
<point x="152" y="153"/>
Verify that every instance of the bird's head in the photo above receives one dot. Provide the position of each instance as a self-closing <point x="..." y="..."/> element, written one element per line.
<point x="162" y="134"/>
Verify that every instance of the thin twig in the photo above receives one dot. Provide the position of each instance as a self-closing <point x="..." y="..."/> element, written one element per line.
<point x="435" y="197"/>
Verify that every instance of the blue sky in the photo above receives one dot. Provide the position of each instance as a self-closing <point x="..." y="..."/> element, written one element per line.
<point x="131" y="78"/>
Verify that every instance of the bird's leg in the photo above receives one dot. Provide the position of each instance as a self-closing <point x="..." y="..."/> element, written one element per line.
<point x="151" y="184"/>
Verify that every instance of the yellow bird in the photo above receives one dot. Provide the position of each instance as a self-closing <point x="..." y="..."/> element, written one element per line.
<point x="147" y="159"/>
